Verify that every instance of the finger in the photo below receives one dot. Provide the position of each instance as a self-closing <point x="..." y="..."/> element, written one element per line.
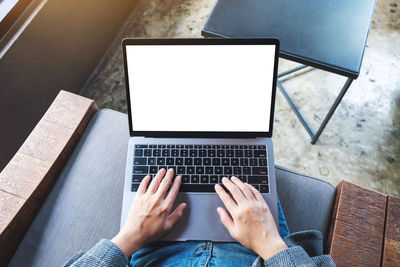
<point x="245" y="190"/>
<point x="225" y="198"/>
<point x="225" y="219"/>
<point x="156" y="181"/>
<point x="173" y="192"/>
<point x="143" y="185"/>
<point x="165" y="183"/>
<point x="175" y="216"/>
<point x="256" y="193"/>
<point x="234" y="190"/>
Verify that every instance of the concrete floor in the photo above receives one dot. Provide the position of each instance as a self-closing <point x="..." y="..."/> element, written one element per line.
<point x="362" y="141"/>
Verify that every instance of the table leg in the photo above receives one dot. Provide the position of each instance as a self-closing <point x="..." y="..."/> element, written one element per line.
<point x="332" y="110"/>
<point x="314" y="137"/>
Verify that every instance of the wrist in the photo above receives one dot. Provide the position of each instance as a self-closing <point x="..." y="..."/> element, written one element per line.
<point x="270" y="248"/>
<point x="127" y="244"/>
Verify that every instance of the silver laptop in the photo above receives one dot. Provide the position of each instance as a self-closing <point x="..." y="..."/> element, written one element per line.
<point x="205" y="108"/>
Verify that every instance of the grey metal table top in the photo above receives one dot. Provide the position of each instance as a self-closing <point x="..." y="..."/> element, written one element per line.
<point x="330" y="35"/>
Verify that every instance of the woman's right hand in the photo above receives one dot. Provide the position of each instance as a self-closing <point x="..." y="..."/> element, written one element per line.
<point x="251" y="222"/>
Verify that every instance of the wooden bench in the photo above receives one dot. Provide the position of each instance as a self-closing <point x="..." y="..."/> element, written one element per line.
<point x="365" y="227"/>
<point x="364" y="230"/>
<point x="28" y="178"/>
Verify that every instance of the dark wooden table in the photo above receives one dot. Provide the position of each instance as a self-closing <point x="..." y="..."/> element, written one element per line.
<point x="328" y="35"/>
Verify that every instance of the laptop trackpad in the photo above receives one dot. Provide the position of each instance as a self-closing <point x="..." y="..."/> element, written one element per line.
<point x="200" y="220"/>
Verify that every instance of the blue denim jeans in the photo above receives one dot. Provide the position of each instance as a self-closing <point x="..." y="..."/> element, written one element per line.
<point x="195" y="253"/>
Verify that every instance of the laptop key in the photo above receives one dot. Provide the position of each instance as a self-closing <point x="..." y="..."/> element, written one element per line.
<point x="141" y="146"/>
<point x="139" y="161"/>
<point x="247" y="170"/>
<point x="202" y="153"/>
<point x="179" y="161"/>
<point x="209" y="170"/>
<point x="165" y="152"/>
<point x="218" y="170"/>
<point x="170" y="161"/>
<point x="174" y="153"/>
<point x="194" y="179"/>
<point x="264" y="188"/>
<point x="225" y="162"/>
<point x="170" y="146"/>
<point x="151" y="161"/>
<point x="216" y="161"/>
<point x="185" y="179"/>
<point x="207" y="161"/>
<point x="161" y="146"/>
<point x="253" y="162"/>
<point x="220" y="153"/>
<point x="156" y="152"/>
<point x="193" y="153"/>
<point x="198" y="161"/>
<point x="234" y="162"/>
<point x="257" y="179"/>
<point x="256" y="187"/>
<point x="248" y="153"/>
<point x="262" y="147"/>
<point x="260" y="153"/>
<point x="228" y="170"/>
<point x="199" y="170"/>
<point x="197" y="188"/>
<point x="153" y="169"/>
<point x="147" y="153"/>
<point x="238" y="153"/>
<point x="134" y="187"/>
<point x="242" y="178"/>
<point x="262" y="162"/>
<point x="244" y="162"/>
<point x="237" y="170"/>
<point x="184" y="153"/>
<point x="204" y="179"/>
<point x="137" y="178"/>
<point x="138" y="152"/>
<point x="190" y="170"/>
<point x="211" y="153"/>
<point x="230" y="153"/>
<point x="160" y="161"/>
<point x="141" y="169"/>
<point x="259" y="170"/>
<point x="188" y="161"/>
<point x="181" y="170"/>
<point x="214" y="179"/>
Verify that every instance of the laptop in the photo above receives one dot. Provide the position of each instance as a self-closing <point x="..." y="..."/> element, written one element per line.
<point x="205" y="108"/>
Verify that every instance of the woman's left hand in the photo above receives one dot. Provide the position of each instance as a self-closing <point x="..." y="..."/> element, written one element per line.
<point x="149" y="217"/>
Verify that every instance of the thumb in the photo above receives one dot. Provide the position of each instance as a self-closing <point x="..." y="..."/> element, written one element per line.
<point x="225" y="219"/>
<point x="175" y="216"/>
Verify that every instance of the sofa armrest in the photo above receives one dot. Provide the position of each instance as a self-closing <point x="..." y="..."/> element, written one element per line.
<point x="29" y="176"/>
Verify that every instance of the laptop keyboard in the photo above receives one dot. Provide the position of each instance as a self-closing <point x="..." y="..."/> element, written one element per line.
<point x="203" y="166"/>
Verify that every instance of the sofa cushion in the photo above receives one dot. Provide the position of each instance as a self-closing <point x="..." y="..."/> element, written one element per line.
<point x="85" y="203"/>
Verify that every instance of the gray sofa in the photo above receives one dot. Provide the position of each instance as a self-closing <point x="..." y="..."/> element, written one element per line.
<point x="85" y="203"/>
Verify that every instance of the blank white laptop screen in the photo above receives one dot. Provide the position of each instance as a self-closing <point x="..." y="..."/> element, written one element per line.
<point x="202" y="88"/>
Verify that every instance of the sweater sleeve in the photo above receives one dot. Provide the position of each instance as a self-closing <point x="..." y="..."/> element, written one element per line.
<point x="304" y="249"/>
<point x="104" y="253"/>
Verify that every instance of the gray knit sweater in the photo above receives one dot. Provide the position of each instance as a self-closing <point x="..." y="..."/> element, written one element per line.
<point x="304" y="249"/>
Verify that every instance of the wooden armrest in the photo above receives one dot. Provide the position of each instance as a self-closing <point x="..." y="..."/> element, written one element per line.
<point x="28" y="178"/>
<point x="362" y="232"/>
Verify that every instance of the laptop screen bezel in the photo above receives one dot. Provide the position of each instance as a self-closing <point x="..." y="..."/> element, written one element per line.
<point x="201" y="41"/>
